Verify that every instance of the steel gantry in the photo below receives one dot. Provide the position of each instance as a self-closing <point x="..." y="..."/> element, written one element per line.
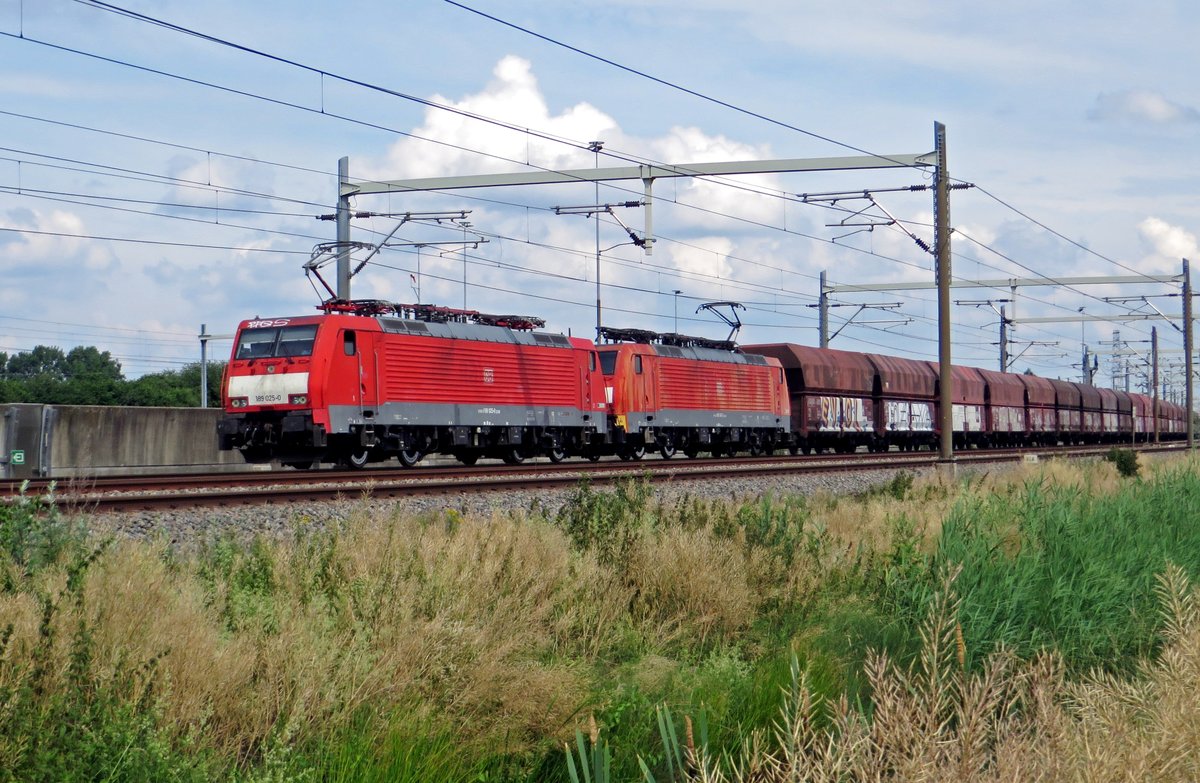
<point x="648" y="173"/>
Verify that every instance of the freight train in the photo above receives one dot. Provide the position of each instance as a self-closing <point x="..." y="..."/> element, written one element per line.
<point x="366" y="381"/>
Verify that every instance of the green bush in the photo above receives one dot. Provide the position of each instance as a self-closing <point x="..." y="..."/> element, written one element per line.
<point x="34" y="535"/>
<point x="1126" y="461"/>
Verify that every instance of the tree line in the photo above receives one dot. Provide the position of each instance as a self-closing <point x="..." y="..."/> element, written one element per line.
<point x="87" y="376"/>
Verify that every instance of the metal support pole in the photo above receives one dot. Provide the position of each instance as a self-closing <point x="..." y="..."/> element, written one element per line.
<point x="1003" y="341"/>
<point x="204" y="365"/>
<point x="648" y="198"/>
<point x="343" y="231"/>
<point x="1154" y="378"/>
<point x="1187" y="349"/>
<point x="823" y="312"/>
<point x="1116" y="365"/>
<point x="941" y="244"/>
<point x="595" y="147"/>
<point x="465" y="226"/>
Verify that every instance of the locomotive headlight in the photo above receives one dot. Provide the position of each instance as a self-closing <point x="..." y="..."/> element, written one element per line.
<point x="238" y="402"/>
<point x="298" y="399"/>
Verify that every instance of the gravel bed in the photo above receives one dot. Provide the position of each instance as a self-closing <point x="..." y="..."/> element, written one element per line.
<point x="182" y="527"/>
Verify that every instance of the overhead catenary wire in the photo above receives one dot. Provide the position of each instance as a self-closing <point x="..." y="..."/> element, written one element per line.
<point x="802" y="234"/>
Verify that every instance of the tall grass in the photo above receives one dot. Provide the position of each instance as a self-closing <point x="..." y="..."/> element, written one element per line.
<point x="1053" y="567"/>
<point x="444" y="647"/>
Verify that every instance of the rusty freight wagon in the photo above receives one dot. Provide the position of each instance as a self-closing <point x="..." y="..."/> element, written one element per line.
<point x="907" y="402"/>
<point x="1041" y="417"/>
<point x="1069" y="402"/>
<point x="969" y="402"/>
<point x="1004" y="408"/>
<point x="832" y="396"/>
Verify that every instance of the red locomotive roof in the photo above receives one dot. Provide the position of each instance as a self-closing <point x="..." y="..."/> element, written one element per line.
<point x="1040" y="390"/>
<point x="904" y="377"/>
<point x="822" y="369"/>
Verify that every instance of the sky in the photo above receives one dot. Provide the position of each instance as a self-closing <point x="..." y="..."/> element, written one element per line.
<point x="164" y="165"/>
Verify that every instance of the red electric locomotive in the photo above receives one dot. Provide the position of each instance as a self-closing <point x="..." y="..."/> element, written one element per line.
<point x="371" y="380"/>
<point x="671" y="392"/>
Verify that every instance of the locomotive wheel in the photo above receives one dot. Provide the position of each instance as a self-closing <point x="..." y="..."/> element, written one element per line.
<point x="593" y="457"/>
<point x="637" y="452"/>
<point x="409" y="457"/>
<point x="356" y="460"/>
<point x="307" y="464"/>
<point x="513" y="457"/>
<point x="691" y="452"/>
<point x="467" y="458"/>
<point x="667" y="449"/>
<point x="256" y="454"/>
<point x="557" y="454"/>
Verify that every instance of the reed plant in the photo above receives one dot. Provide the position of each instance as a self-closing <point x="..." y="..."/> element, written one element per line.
<point x="444" y="646"/>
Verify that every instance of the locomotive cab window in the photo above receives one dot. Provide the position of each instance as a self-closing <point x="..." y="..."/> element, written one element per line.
<point x="349" y="343"/>
<point x="637" y="365"/>
<point x="608" y="362"/>
<point x="276" y="341"/>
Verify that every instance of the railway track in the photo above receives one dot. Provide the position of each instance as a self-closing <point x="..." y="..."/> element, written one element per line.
<point x="278" y="487"/>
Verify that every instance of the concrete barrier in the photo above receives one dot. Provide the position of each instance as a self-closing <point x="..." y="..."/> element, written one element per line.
<point x="95" y="440"/>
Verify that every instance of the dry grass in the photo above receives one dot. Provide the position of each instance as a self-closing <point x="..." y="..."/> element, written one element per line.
<point x="691" y="583"/>
<point x="466" y="617"/>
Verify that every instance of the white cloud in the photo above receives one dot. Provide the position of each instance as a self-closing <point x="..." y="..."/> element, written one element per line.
<point x="50" y="241"/>
<point x="1169" y="245"/>
<point x="1141" y="106"/>
<point x="513" y="97"/>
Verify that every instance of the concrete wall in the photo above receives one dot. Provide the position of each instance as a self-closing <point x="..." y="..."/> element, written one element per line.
<point x="93" y="440"/>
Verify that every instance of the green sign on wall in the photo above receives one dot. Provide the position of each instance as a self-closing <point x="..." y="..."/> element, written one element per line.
<point x="18" y="457"/>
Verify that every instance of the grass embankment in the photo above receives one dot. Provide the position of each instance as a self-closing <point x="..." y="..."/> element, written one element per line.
<point x="451" y="648"/>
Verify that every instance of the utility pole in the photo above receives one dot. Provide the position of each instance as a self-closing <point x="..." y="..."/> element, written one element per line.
<point x="823" y="313"/>
<point x="1154" y="378"/>
<point x="941" y="245"/>
<point x="343" y="230"/>
<point x="1003" y="341"/>
<point x="595" y="147"/>
<point x="1187" y="349"/>
<point x="204" y="338"/>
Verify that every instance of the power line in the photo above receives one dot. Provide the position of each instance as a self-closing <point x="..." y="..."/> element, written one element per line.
<point x="664" y="82"/>
<point x="164" y="243"/>
<point x="173" y="145"/>
<point x="89" y="326"/>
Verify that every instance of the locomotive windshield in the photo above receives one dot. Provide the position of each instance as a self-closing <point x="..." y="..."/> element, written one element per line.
<point x="275" y="341"/>
<point x="608" y="362"/>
